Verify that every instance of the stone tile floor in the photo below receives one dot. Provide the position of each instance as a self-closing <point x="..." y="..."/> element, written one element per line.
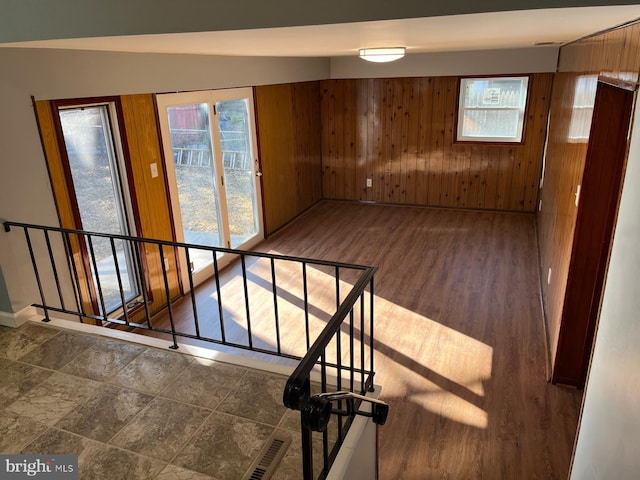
<point x="135" y="412"/>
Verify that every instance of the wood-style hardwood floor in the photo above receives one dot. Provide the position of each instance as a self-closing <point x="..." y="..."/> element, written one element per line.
<point x="459" y="338"/>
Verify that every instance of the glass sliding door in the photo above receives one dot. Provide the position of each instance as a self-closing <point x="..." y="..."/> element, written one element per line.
<point x="209" y="143"/>
<point x="195" y="179"/>
<point x="100" y="199"/>
<point x="234" y="128"/>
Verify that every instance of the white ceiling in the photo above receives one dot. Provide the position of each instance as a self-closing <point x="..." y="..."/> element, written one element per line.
<point x="434" y="34"/>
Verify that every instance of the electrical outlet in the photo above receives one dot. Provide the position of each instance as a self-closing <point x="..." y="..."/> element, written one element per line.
<point x="369" y="183"/>
<point x="166" y="264"/>
<point x="154" y="170"/>
<point x="549" y="277"/>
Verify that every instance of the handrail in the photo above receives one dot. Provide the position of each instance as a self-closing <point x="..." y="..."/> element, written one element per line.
<point x="8" y="224"/>
<point x="294" y="396"/>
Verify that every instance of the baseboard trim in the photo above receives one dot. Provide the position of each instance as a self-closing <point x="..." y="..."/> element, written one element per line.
<point x="15" y="319"/>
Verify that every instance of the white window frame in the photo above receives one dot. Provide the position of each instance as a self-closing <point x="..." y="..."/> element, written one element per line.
<point x="521" y="109"/>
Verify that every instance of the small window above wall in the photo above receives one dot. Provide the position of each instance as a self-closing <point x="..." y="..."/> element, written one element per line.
<point x="492" y="109"/>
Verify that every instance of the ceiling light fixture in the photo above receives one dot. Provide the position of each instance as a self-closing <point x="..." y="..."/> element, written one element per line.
<point x="382" y="55"/>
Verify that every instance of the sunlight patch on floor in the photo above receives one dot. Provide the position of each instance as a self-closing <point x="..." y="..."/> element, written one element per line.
<point x="447" y="368"/>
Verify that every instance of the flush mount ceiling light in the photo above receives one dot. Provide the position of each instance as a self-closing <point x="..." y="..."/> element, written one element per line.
<point x="382" y="55"/>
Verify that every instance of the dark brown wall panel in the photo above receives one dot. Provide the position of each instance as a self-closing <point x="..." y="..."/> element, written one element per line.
<point x="400" y="133"/>
<point x="614" y="54"/>
<point x="288" y="122"/>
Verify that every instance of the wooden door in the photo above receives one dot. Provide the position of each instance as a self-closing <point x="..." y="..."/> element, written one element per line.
<point x="597" y="210"/>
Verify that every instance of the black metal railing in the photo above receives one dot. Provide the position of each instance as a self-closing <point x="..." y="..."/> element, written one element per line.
<point x="261" y="302"/>
<point x="347" y="372"/>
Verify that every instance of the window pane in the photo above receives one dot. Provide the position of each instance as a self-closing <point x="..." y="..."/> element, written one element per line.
<point x="195" y="176"/>
<point x="495" y="92"/>
<point x="490" y="123"/>
<point x="235" y="141"/>
<point x="492" y="109"/>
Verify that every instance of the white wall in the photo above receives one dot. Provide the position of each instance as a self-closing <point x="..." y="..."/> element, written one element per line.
<point x="482" y="62"/>
<point x="25" y="192"/>
<point x="609" y="430"/>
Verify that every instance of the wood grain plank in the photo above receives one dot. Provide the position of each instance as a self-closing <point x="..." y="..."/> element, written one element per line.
<point x="423" y="119"/>
<point x="377" y="93"/>
<point x="437" y="146"/>
<point x="362" y="138"/>
<point x="338" y="141"/>
<point x="348" y="158"/>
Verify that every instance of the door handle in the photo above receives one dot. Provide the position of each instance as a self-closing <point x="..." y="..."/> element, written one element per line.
<point x="258" y="173"/>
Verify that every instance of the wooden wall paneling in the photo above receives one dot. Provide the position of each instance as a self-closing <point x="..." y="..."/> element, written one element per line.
<point x="358" y="137"/>
<point x="596" y="213"/>
<point x="376" y="133"/>
<point x="556" y="219"/>
<point x="518" y="179"/>
<point x="493" y="171"/>
<point x="484" y="176"/>
<point x="300" y="125"/>
<point x="57" y="177"/>
<point x="396" y="158"/>
<point x="450" y="171"/>
<point x="386" y="113"/>
<point x="423" y="120"/>
<point x="329" y="139"/>
<point x="325" y="133"/>
<point x="371" y="150"/>
<point x="291" y="142"/>
<point x="505" y="174"/>
<point x="614" y="54"/>
<point x="307" y="149"/>
<point x="315" y="148"/>
<point x="349" y="158"/>
<point x="631" y="65"/>
<point x="362" y="138"/>
<point x="153" y="202"/>
<point x="338" y="154"/>
<point x="623" y="52"/>
<point x="475" y="173"/>
<point x="436" y="148"/>
<point x="412" y="116"/>
<point x="410" y="148"/>
<point x="536" y="131"/>
<point x="274" y="122"/>
<point x="464" y="186"/>
<point x="407" y="171"/>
